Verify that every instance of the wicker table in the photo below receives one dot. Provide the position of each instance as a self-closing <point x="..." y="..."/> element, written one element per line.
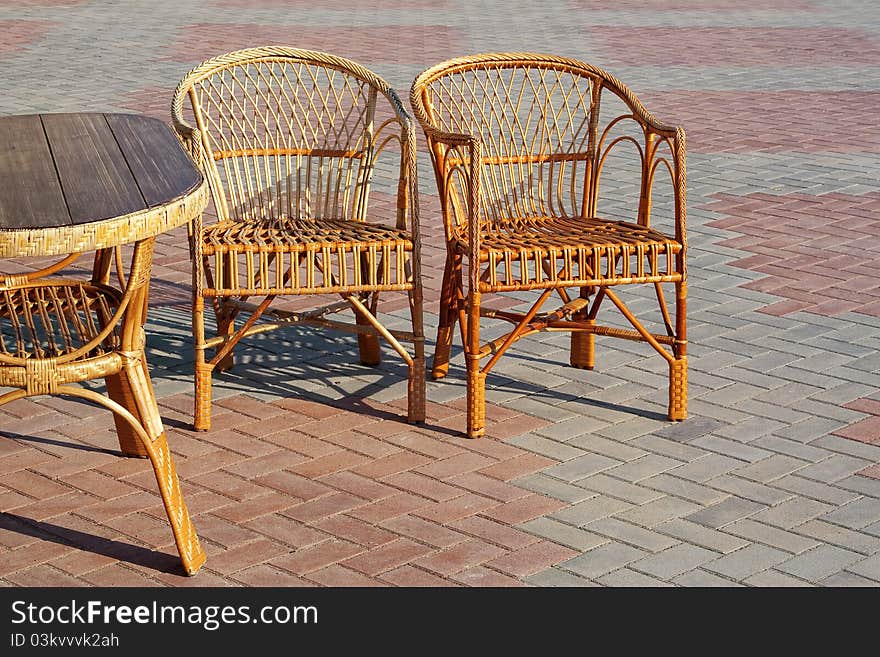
<point x="75" y="183"/>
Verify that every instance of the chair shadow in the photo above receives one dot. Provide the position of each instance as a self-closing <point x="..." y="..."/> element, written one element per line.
<point x="58" y="443"/>
<point x="127" y="552"/>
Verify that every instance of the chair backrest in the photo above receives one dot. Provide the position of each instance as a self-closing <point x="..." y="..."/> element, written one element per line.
<point x="537" y="118"/>
<point x="292" y="133"/>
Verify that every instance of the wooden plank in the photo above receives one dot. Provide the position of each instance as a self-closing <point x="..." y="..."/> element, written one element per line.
<point x="95" y="177"/>
<point x="160" y="166"/>
<point x="30" y="194"/>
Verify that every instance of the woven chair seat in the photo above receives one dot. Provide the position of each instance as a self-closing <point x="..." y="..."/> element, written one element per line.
<point x="581" y="250"/>
<point x="297" y="235"/>
<point x="545" y="233"/>
<point x="52" y="320"/>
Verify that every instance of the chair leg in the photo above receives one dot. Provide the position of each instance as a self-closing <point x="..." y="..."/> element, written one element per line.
<point x="583" y="348"/>
<point x="416" y="386"/>
<point x="476" y="380"/>
<point x="203" y="369"/>
<point x="225" y="327"/>
<point x="678" y="366"/>
<point x="447" y="317"/>
<point x="368" y="343"/>
<point x="678" y="388"/>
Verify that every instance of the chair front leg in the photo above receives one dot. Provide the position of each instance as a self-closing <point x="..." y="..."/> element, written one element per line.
<point x="678" y="367"/>
<point x="476" y="380"/>
<point x="583" y="344"/>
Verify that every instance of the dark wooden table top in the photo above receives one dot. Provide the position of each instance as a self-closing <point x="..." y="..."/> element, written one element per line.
<point x="63" y="172"/>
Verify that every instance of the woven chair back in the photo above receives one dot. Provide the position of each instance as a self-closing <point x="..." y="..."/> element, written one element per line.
<point x="292" y="134"/>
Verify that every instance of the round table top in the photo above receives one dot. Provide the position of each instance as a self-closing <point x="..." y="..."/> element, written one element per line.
<point x="86" y="181"/>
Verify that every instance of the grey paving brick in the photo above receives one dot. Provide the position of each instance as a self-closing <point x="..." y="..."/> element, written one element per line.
<point x="770" y="468"/>
<point x="670" y="448"/>
<point x="701" y="579"/>
<point x="611" y="448"/>
<point x="733" y="394"/>
<point x="746" y="562"/>
<point x="725" y="512"/>
<point x="816" y="490"/>
<point x="562" y="533"/>
<point x="847" y="579"/>
<point x="775" y="579"/>
<point x="591" y="509"/>
<point x="869" y="568"/>
<point x="568" y="429"/>
<point x="602" y="560"/>
<point x="749" y="429"/>
<point x="623" y="490"/>
<point x="546" y="447"/>
<point x="792" y="513"/>
<point x="644" y="467"/>
<point x="856" y="514"/>
<point x="857" y="541"/>
<point x="685" y="489"/>
<point x="834" y="468"/>
<point x="674" y="561"/>
<point x="859" y="484"/>
<point x="809" y="429"/>
<point x="552" y="487"/>
<point x="792" y="448"/>
<point x="772" y="536"/>
<point x="657" y="511"/>
<point x="581" y="467"/>
<point x="722" y="414"/>
<point x="630" y="578"/>
<point x="731" y="448"/>
<point x="626" y="532"/>
<point x="558" y="578"/>
<point x="819" y="563"/>
<point x="749" y="489"/>
<point x="630" y="427"/>
<point x="708" y="467"/>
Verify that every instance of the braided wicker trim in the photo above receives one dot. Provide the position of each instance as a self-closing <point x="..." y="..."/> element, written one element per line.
<point x="103" y="234"/>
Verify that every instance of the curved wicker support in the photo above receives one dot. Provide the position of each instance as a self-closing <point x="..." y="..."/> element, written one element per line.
<point x="311" y="164"/>
<point x="519" y="142"/>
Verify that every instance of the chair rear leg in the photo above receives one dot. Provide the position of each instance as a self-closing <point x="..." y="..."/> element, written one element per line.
<point x="416" y="385"/>
<point x="583" y="344"/>
<point x="368" y="343"/>
<point x="225" y="327"/>
<point x="447" y="317"/>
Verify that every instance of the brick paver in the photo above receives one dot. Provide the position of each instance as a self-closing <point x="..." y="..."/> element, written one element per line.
<point x="311" y="478"/>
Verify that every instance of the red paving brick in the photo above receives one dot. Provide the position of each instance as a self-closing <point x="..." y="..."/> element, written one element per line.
<point x="506" y="536"/>
<point x="355" y="484"/>
<point x="525" y="508"/>
<point x="390" y="507"/>
<point x="354" y="530"/>
<point x="322" y="507"/>
<point x="459" y="507"/>
<point x="340" y="576"/>
<point x="424" y="531"/>
<point x="459" y="557"/>
<point x="519" y="466"/>
<point x="266" y="575"/>
<point x="865" y="431"/>
<point x="309" y="560"/>
<point x="387" y="556"/>
<point x="238" y="558"/>
<point x="21" y="34"/>
<point x="409" y="576"/>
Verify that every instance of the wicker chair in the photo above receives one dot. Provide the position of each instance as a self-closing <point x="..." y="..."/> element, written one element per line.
<point x="519" y="142"/>
<point x="294" y="144"/>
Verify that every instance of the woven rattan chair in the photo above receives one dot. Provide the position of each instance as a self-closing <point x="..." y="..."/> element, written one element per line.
<point x="294" y="144"/>
<point x="519" y="142"/>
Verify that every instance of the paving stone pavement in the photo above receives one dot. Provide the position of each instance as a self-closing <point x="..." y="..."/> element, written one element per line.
<point x="310" y="478"/>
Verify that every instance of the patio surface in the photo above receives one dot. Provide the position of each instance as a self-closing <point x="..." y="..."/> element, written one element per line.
<point x="309" y="476"/>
